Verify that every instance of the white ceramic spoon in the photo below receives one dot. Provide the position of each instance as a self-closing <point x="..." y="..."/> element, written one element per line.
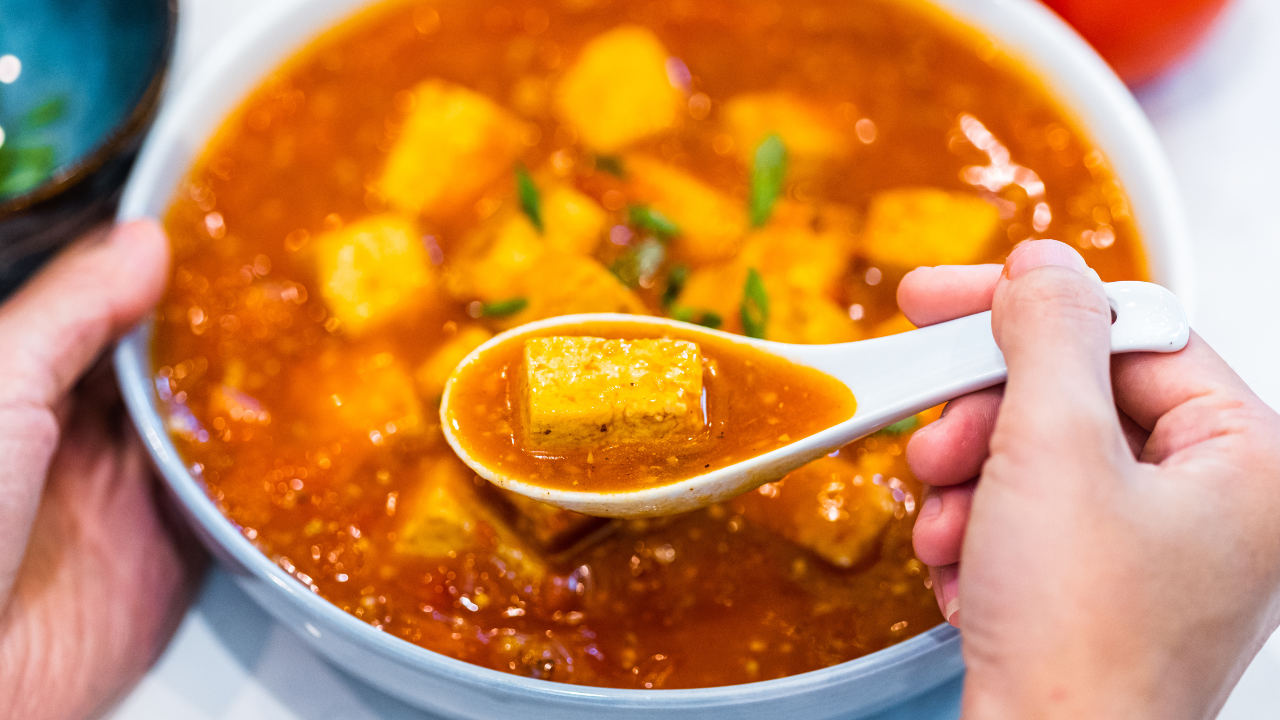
<point x="892" y="378"/>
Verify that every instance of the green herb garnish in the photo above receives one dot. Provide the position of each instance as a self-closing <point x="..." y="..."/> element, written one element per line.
<point x="755" y="305"/>
<point x="645" y="218"/>
<point x="637" y="266"/>
<point x="611" y="164"/>
<point x="27" y="158"/>
<point x="709" y="319"/>
<point x="902" y="426"/>
<point x="768" y="173"/>
<point x="23" y="168"/>
<point x="676" y="279"/>
<point x="503" y="308"/>
<point x="46" y="113"/>
<point x="530" y="200"/>
<point x="705" y="318"/>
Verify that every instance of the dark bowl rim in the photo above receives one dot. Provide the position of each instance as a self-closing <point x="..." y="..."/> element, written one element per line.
<point x="129" y="130"/>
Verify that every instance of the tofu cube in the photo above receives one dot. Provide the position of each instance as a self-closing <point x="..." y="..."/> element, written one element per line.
<point x="796" y="314"/>
<point x="448" y="518"/>
<point x="913" y="227"/>
<point x="807" y="132"/>
<point x="832" y="507"/>
<point x="499" y="270"/>
<point x="718" y="289"/>
<point x="514" y="261"/>
<point x="499" y="255"/>
<point x="454" y="144"/>
<point x="434" y="373"/>
<point x="712" y="224"/>
<point x="372" y="271"/>
<point x="806" y="317"/>
<point x="799" y="257"/>
<point x="618" y="90"/>
<point x="559" y="283"/>
<point x="574" y="223"/>
<point x="588" y="391"/>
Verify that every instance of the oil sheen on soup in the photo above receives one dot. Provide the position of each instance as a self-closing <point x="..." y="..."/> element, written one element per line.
<point x="427" y="174"/>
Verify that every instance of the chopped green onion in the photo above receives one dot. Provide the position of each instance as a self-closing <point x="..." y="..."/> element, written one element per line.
<point x="611" y="164"/>
<point x="503" y="308"/>
<point x="530" y="200"/>
<point x="710" y="319"/>
<point x="645" y="218"/>
<point x="676" y="279"/>
<point x="637" y="266"/>
<point x="768" y="174"/>
<point x="705" y="318"/>
<point x="902" y="426"/>
<point x="755" y="305"/>
<point x="22" y="169"/>
<point x="46" y="113"/>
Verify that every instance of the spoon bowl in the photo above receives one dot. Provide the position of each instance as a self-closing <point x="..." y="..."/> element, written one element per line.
<point x="892" y="378"/>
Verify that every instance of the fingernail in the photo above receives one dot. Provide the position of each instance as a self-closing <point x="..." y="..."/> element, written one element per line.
<point x="931" y="508"/>
<point x="952" y="612"/>
<point x="947" y="586"/>
<point x="1040" y="253"/>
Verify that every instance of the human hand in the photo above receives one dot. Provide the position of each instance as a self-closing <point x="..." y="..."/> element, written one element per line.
<point x="1105" y="526"/>
<point x="92" y="584"/>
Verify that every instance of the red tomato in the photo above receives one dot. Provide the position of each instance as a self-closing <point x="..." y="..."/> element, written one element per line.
<point x="1140" y="38"/>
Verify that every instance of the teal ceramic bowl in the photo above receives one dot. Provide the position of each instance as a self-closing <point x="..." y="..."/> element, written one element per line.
<point x="79" y="83"/>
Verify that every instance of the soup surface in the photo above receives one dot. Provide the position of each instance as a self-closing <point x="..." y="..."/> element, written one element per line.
<point x="427" y="174"/>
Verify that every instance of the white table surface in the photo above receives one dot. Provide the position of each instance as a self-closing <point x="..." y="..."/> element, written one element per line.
<point x="1219" y="119"/>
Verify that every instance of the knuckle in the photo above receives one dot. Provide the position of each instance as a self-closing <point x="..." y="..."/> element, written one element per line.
<point x="1065" y="292"/>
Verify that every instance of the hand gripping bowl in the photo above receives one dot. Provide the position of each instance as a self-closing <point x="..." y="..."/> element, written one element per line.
<point x="451" y="688"/>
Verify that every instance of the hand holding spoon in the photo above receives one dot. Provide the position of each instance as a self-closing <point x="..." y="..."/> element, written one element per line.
<point x="891" y="378"/>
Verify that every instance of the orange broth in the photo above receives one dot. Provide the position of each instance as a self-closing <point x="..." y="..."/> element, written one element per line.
<point x="323" y="445"/>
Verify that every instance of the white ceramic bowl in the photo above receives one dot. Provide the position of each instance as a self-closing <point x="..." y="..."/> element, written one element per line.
<point x="929" y="662"/>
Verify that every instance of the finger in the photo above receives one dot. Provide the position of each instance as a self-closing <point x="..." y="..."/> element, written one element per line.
<point x="59" y="322"/>
<point x="1149" y="385"/>
<point x="939" y="530"/>
<point x="1184" y="398"/>
<point x="1135" y="435"/>
<point x="1052" y="321"/>
<point x="946" y="587"/>
<point x="952" y="449"/>
<point x="930" y="295"/>
<point x="51" y="331"/>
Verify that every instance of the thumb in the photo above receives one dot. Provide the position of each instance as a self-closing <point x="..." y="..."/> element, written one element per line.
<point x="51" y="332"/>
<point x="57" y="324"/>
<point x="1052" y="321"/>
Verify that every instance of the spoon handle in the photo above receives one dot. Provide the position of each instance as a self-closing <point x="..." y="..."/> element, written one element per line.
<point x="897" y="376"/>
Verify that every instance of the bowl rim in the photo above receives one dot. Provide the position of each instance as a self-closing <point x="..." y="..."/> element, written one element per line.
<point x="1036" y="37"/>
<point x="115" y="141"/>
